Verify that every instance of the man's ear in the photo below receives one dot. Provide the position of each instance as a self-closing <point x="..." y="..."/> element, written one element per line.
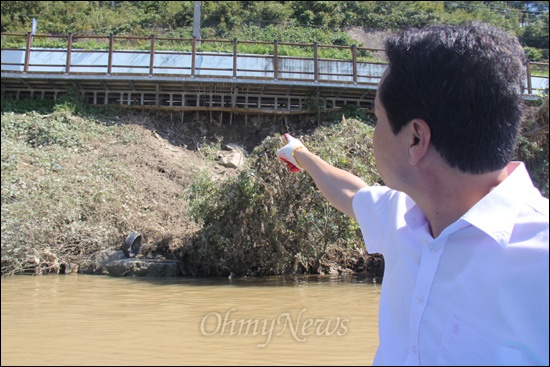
<point x="419" y="140"/>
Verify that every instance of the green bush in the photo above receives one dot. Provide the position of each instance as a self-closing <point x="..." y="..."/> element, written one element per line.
<point x="533" y="54"/>
<point x="268" y="221"/>
<point x="532" y="147"/>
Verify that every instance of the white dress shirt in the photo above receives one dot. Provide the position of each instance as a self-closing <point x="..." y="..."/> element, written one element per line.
<point x="475" y="295"/>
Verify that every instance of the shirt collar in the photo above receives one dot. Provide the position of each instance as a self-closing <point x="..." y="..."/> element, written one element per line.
<point x="414" y="217"/>
<point x="496" y="213"/>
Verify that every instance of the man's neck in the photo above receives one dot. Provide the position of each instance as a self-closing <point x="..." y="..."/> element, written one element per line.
<point x="449" y="194"/>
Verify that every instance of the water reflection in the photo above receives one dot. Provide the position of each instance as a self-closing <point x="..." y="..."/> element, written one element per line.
<point x="83" y="320"/>
<point x="286" y="281"/>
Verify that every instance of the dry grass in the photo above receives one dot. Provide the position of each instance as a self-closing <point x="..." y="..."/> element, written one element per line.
<point x="77" y="183"/>
<point x="64" y="200"/>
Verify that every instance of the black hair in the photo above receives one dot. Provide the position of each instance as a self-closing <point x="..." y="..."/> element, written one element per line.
<point x="467" y="83"/>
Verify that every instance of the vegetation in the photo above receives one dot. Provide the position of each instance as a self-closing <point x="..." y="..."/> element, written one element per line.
<point x="222" y="19"/>
<point x="324" y="22"/>
<point x="533" y="144"/>
<point x="77" y="183"/>
<point x="77" y="180"/>
<point x="267" y="221"/>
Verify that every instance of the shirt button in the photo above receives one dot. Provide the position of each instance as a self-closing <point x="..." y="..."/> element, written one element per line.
<point x="419" y="299"/>
<point x="433" y="248"/>
<point x="413" y="349"/>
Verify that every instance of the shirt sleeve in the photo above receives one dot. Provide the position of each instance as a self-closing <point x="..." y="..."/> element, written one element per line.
<point x="374" y="211"/>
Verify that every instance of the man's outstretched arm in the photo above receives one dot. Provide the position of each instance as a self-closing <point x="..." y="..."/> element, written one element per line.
<point x="338" y="186"/>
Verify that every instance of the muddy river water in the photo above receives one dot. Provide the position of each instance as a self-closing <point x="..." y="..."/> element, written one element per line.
<point x="101" y="320"/>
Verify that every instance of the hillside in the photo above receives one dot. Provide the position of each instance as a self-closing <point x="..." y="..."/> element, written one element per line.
<point x="325" y="22"/>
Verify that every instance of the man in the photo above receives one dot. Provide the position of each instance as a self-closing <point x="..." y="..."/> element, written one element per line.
<point x="463" y="231"/>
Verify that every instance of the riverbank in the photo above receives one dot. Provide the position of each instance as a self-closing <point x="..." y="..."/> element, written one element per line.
<point x="76" y="183"/>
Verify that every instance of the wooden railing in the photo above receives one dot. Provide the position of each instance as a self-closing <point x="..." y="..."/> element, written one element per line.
<point x="345" y="67"/>
<point x="351" y="72"/>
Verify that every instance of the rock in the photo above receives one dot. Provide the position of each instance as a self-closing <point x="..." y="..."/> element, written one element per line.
<point x="232" y="159"/>
<point x="86" y="267"/>
<point x="115" y="263"/>
<point x="107" y="256"/>
<point x="144" y="267"/>
<point x="375" y="264"/>
<point x="233" y="156"/>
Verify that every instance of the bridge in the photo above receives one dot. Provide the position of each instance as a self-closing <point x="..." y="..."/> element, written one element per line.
<point x="187" y="79"/>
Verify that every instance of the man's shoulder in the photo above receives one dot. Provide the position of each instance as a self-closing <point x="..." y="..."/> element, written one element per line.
<point x="539" y="204"/>
<point x="376" y="193"/>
